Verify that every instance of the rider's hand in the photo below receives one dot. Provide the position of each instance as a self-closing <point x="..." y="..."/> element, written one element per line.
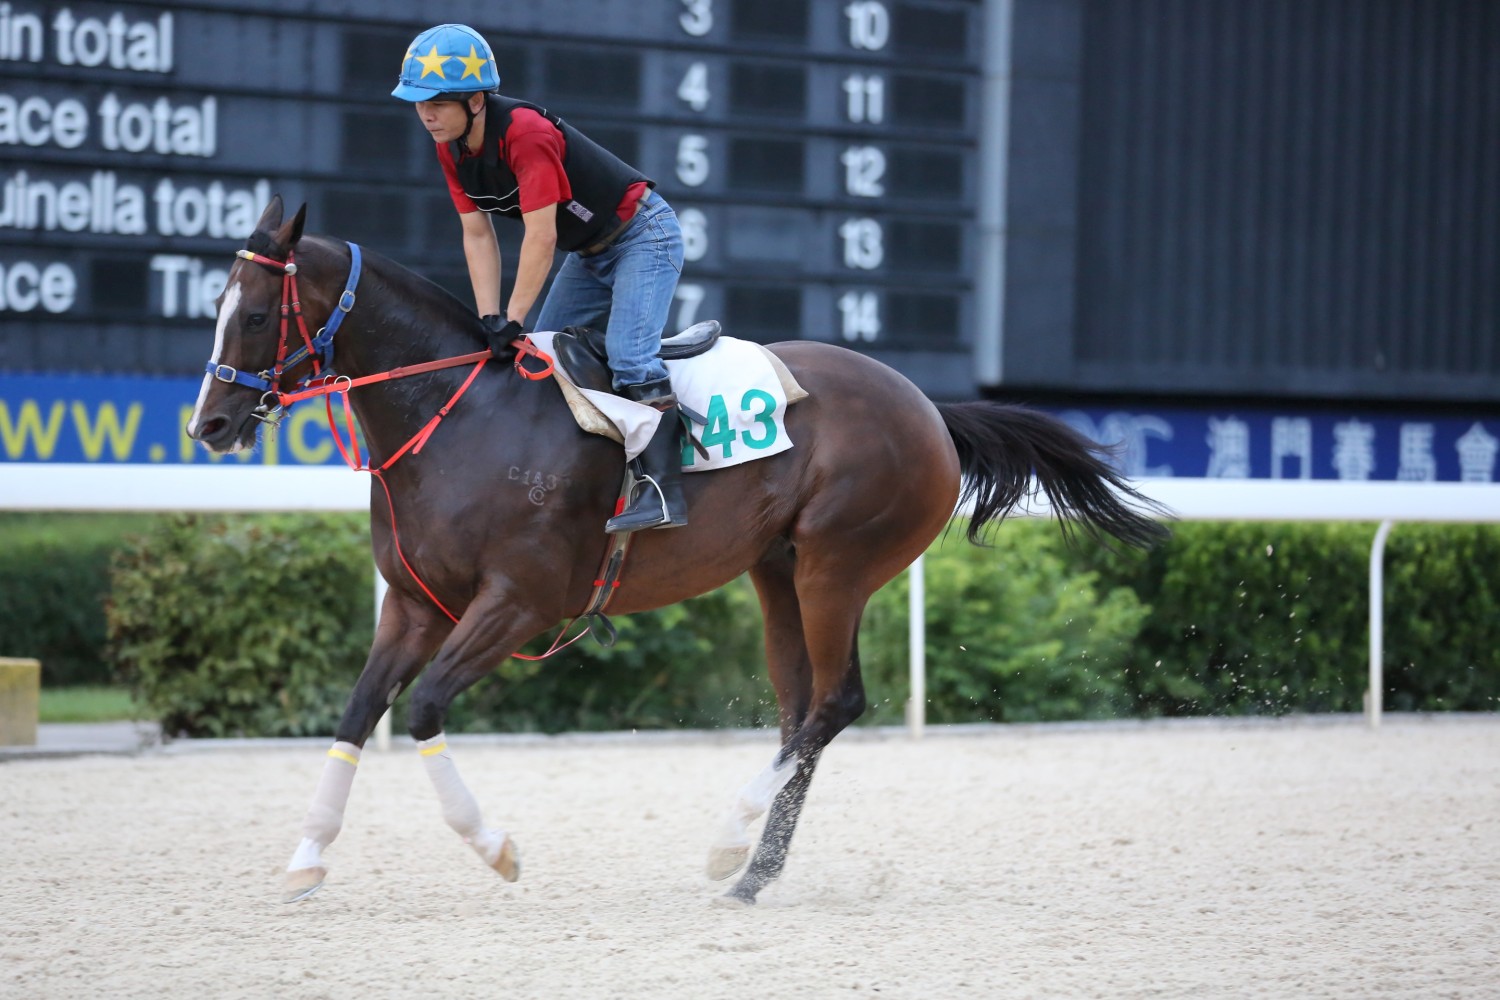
<point x="500" y="332"/>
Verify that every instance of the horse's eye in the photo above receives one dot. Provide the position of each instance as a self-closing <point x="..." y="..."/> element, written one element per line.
<point x="255" y="319"/>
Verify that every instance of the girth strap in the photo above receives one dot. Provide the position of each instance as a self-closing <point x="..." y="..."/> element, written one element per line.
<point x="610" y="571"/>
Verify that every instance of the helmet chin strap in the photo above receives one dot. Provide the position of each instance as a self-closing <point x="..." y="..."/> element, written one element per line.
<point x="469" y="116"/>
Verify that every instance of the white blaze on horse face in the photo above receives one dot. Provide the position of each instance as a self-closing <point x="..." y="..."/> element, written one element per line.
<point x="226" y="312"/>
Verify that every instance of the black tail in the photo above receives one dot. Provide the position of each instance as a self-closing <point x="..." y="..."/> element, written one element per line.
<point x="1002" y="448"/>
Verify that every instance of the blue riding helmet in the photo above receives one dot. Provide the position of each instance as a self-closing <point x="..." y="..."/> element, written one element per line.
<point x="447" y="63"/>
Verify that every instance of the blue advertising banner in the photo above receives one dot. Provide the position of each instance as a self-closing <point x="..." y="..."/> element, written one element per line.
<point x="137" y="419"/>
<point x="1282" y="443"/>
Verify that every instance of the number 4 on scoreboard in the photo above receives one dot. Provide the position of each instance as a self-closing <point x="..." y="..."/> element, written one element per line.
<point x="693" y="90"/>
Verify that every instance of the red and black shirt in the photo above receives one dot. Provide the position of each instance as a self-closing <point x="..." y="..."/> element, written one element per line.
<point x="531" y="159"/>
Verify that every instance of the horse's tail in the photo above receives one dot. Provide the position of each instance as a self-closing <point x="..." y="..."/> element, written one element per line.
<point x="1001" y="448"/>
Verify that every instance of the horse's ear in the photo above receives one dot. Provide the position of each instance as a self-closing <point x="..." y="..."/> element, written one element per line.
<point x="292" y="231"/>
<point x="271" y="217"/>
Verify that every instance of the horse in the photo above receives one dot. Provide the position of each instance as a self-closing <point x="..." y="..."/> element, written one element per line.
<point x="477" y="567"/>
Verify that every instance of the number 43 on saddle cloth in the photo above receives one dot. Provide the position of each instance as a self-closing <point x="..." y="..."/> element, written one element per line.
<point x="740" y="388"/>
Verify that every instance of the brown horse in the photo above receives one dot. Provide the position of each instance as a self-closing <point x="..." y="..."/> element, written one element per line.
<point x="875" y="475"/>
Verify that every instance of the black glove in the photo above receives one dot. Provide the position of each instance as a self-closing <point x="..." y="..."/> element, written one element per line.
<point x="500" y="332"/>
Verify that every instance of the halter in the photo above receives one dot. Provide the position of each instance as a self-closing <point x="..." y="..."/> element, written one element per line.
<point x="319" y="348"/>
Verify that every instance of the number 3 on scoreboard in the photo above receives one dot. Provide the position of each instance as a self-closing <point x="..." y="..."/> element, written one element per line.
<point x="698" y="19"/>
<point x="719" y="432"/>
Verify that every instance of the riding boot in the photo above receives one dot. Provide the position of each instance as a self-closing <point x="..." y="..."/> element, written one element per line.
<point x="656" y="500"/>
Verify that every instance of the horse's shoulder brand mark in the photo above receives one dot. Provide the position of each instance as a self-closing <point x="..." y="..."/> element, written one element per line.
<point x="539" y="483"/>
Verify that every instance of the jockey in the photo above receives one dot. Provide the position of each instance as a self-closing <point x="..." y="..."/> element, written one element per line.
<point x="623" y="243"/>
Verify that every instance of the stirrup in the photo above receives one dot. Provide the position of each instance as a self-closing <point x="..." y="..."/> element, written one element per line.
<point x="629" y="518"/>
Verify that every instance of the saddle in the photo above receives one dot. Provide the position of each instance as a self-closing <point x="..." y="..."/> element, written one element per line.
<point x="580" y="350"/>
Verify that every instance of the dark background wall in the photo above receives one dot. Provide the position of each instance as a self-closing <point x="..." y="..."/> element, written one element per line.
<point x="1279" y="198"/>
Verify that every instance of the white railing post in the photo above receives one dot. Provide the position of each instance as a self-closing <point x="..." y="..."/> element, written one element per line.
<point x="383" y="727"/>
<point x="916" y="705"/>
<point x="1377" y="625"/>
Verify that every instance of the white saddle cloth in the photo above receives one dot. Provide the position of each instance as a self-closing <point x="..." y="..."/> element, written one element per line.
<point x="742" y="388"/>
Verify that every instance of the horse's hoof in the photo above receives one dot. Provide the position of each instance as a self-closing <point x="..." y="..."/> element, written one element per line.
<point x="725" y="861"/>
<point x="303" y="882"/>
<point x="508" y="861"/>
<point x="734" y="900"/>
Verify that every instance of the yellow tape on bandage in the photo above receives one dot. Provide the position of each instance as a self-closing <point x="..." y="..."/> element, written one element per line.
<point x="433" y="751"/>
<point x="344" y="756"/>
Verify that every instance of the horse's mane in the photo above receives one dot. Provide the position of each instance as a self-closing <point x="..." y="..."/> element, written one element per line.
<point x="413" y="303"/>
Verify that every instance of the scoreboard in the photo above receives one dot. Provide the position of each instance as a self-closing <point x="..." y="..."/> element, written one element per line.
<point x="821" y="155"/>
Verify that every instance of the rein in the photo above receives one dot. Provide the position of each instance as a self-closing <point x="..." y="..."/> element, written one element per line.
<point x="320" y="350"/>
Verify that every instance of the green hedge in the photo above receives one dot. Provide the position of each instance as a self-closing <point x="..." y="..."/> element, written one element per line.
<point x="1442" y="616"/>
<point x="260" y="626"/>
<point x="694" y="665"/>
<point x="245" y="627"/>
<point x="54" y="577"/>
<point x="1268" y="618"/>
<point x="1014" y="633"/>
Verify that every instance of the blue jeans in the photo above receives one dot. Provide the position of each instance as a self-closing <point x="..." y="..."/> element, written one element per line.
<point x="627" y="289"/>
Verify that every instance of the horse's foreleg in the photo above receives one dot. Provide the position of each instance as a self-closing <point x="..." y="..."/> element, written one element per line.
<point x="402" y="647"/>
<point x="484" y="637"/>
<point x="461" y="810"/>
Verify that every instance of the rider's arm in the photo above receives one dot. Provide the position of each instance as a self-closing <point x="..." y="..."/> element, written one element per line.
<point x="483" y="256"/>
<point x="537" y="248"/>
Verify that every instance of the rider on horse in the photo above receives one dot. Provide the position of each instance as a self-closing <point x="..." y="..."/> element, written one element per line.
<point x="623" y="243"/>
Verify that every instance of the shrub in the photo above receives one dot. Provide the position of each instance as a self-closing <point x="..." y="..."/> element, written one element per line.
<point x="696" y="664"/>
<point x="1013" y="633"/>
<point x="54" y="577"/>
<point x="1268" y="618"/>
<point x="1442" y="601"/>
<point x="1257" y="618"/>
<point x="244" y="627"/>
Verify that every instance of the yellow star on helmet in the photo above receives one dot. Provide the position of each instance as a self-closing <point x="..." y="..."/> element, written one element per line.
<point x="472" y="64"/>
<point x="432" y="63"/>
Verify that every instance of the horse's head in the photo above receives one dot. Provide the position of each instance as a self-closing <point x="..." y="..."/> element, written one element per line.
<point x="252" y="334"/>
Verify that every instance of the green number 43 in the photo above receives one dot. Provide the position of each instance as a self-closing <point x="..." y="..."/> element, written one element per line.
<point x="720" y="434"/>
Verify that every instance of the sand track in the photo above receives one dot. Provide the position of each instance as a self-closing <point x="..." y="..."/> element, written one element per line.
<point x="1189" y="860"/>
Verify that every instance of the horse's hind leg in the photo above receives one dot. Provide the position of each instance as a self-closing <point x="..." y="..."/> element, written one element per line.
<point x="791" y="677"/>
<point x="403" y="644"/>
<point x="845" y="704"/>
<point x="830" y="615"/>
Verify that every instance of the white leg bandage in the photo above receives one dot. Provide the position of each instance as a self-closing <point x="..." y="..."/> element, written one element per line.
<point x="325" y="817"/>
<point x="460" y="810"/>
<point x="753" y="801"/>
